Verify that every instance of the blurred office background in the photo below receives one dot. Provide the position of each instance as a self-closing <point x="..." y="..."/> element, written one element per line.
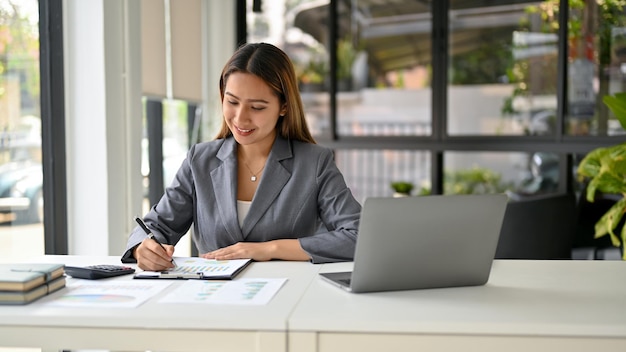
<point x="99" y="101"/>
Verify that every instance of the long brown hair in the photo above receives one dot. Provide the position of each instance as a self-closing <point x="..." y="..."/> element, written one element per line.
<point x="275" y="68"/>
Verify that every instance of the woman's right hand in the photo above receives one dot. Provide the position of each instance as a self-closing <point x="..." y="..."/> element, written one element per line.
<point x="152" y="257"/>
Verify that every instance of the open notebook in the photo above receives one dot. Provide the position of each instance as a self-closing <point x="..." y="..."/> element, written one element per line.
<point x="424" y="242"/>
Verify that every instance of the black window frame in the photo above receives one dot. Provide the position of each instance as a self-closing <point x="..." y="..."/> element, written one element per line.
<point x="439" y="142"/>
<point x="53" y="115"/>
<point x="53" y="126"/>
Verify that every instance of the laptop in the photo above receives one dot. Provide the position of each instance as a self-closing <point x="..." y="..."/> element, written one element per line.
<point x="424" y="242"/>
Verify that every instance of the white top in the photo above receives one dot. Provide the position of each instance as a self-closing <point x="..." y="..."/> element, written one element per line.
<point x="243" y="207"/>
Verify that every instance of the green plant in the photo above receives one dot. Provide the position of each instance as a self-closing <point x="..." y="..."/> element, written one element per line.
<point x="402" y="187"/>
<point x="313" y="67"/>
<point x="346" y="54"/>
<point x="605" y="169"/>
<point x="312" y="72"/>
<point x="476" y="180"/>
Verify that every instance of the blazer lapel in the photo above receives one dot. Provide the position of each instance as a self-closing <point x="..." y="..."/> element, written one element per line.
<point x="274" y="179"/>
<point x="225" y="185"/>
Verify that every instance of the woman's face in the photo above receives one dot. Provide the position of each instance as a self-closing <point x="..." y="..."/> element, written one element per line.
<point x="251" y="109"/>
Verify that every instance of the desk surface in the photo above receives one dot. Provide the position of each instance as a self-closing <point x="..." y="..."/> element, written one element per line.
<point x="559" y="302"/>
<point x="166" y="321"/>
<point x="576" y="302"/>
<point x="521" y="297"/>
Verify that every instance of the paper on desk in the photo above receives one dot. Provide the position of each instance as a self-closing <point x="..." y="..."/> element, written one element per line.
<point x="198" y="268"/>
<point x="245" y="291"/>
<point x="108" y="294"/>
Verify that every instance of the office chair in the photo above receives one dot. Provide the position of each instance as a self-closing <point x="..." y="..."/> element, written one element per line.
<point x="538" y="227"/>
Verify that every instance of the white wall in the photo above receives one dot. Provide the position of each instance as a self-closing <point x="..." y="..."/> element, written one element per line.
<point x="218" y="45"/>
<point x="104" y="118"/>
<point x="103" y="104"/>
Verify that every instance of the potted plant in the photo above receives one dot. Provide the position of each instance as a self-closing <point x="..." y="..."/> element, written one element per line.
<point x="401" y="189"/>
<point x="312" y="69"/>
<point x="605" y="169"/>
<point x="311" y="75"/>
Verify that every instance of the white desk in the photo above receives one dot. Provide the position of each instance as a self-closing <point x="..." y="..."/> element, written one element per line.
<point x="526" y="306"/>
<point x="159" y="326"/>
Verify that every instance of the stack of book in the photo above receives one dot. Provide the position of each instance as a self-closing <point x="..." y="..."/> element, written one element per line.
<point x="23" y="283"/>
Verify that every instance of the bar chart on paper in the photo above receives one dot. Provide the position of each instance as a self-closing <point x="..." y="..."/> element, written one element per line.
<point x="199" y="265"/>
<point x="247" y="291"/>
<point x="198" y="268"/>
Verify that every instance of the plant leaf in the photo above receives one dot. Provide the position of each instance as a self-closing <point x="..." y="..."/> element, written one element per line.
<point x="610" y="220"/>
<point x="606" y="167"/>
<point x="617" y="159"/>
<point x="623" y="242"/>
<point x="590" y="165"/>
<point x="602" y="227"/>
<point x="617" y="104"/>
<point x="617" y="212"/>
<point x="609" y="182"/>
<point x="591" y="190"/>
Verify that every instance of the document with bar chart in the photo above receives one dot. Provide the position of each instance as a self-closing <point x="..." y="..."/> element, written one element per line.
<point x="198" y="268"/>
<point x="244" y="291"/>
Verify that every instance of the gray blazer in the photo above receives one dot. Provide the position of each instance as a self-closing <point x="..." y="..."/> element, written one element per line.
<point x="302" y="195"/>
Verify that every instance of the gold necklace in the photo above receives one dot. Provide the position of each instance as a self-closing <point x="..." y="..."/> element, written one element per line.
<point x="253" y="178"/>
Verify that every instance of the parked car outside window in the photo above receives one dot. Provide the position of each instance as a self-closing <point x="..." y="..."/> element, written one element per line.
<point x="21" y="175"/>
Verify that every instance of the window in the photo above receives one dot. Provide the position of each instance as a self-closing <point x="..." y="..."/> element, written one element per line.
<point x="437" y="90"/>
<point x="597" y="65"/>
<point x="503" y="69"/>
<point x="21" y="177"/>
<point x="370" y="173"/>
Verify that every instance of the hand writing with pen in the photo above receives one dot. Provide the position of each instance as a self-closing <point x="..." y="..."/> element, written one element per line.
<point x="151" y="254"/>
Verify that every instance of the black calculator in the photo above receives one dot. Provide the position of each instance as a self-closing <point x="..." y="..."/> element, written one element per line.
<point x="101" y="271"/>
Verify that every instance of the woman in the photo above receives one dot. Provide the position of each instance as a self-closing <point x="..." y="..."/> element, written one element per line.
<point x="262" y="189"/>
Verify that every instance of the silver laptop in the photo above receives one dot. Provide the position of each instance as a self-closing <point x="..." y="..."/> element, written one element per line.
<point x="424" y="242"/>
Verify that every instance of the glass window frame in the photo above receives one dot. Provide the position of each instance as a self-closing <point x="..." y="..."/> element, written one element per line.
<point x="53" y="129"/>
<point x="439" y="141"/>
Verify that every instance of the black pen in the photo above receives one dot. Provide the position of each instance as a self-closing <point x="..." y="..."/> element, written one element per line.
<point x="151" y="235"/>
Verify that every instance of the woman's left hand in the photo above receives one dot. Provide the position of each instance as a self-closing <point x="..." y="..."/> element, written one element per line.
<point x="258" y="251"/>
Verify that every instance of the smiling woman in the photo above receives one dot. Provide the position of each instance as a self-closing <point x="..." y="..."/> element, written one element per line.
<point x="263" y="189"/>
